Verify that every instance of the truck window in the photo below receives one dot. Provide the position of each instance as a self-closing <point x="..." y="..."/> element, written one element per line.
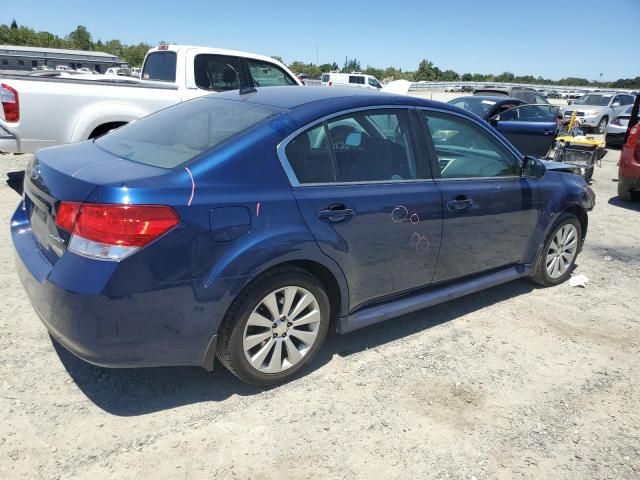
<point x="325" y="78"/>
<point x="175" y="135"/>
<point x="217" y="72"/>
<point x="267" y="74"/>
<point x="160" y="66"/>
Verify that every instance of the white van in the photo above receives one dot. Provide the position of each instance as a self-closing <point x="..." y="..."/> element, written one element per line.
<point x="354" y="79"/>
<point x="64" y="68"/>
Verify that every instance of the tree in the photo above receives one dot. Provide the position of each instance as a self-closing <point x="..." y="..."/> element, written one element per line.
<point x="351" y="65"/>
<point x="14" y="24"/>
<point x="276" y="57"/>
<point x="80" y="38"/>
<point x="466" y="77"/>
<point x="426" y="71"/>
<point x="450" y="75"/>
<point x="327" y="67"/>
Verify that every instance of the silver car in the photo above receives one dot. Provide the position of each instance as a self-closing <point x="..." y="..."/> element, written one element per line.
<point x="617" y="128"/>
<point x="595" y="110"/>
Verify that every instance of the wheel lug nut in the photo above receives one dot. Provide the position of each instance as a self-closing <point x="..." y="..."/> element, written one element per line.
<point x="275" y="335"/>
<point x="275" y="325"/>
<point x="289" y="324"/>
<point x="284" y="335"/>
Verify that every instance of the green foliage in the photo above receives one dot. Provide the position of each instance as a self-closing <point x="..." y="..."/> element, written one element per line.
<point x="276" y="57"/>
<point x="79" y="39"/>
<point x="627" y="83"/>
<point x="351" y="65"/>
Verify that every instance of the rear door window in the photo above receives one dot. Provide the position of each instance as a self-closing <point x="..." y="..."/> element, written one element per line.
<point x="265" y="74"/>
<point x="160" y="66"/>
<point x="175" y="135"/>
<point x="361" y="147"/>
<point x="217" y="73"/>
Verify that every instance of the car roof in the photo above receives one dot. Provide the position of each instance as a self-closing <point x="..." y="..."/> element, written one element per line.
<point x="307" y="104"/>
<point x="497" y="99"/>
<point x="293" y="97"/>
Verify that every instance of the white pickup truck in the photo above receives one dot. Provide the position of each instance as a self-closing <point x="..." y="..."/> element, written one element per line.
<point x="57" y="108"/>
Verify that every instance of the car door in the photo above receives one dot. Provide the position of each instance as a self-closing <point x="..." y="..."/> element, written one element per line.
<point x="369" y="200"/>
<point x="530" y="128"/>
<point x="489" y="210"/>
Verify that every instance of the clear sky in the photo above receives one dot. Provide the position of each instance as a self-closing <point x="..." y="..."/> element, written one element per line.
<point x="554" y="39"/>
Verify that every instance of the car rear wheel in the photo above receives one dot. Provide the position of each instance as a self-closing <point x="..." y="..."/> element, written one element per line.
<point x="559" y="253"/>
<point x="602" y="125"/>
<point x="275" y="327"/>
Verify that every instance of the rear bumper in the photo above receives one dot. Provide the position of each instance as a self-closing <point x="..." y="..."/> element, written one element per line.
<point x="168" y="326"/>
<point x="615" y="139"/>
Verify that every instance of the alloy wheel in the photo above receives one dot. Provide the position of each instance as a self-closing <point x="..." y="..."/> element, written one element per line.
<point x="562" y="251"/>
<point x="281" y="330"/>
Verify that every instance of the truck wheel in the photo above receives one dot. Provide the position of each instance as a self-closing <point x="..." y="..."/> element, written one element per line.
<point x="559" y="253"/>
<point x="623" y="192"/>
<point x="602" y="125"/>
<point x="274" y="327"/>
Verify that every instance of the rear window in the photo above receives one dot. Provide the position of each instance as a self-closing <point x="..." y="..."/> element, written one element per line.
<point x="175" y="135"/>
<point x="160" y="66"/>
<point x="325" y="77"/>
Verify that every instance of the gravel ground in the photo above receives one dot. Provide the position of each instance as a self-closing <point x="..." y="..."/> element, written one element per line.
<point x="513" y="382"/>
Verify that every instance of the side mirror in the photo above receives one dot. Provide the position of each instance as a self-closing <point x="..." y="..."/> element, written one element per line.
<point x="532" y="168"/>
<point x="494" y="120"/>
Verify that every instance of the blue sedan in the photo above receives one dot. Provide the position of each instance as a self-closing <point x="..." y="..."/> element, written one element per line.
<point x="242" y="225"/>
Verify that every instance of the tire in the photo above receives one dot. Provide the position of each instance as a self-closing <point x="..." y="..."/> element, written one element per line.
<point x="623" y="192"/>
<point x="250" y="319"/>
<point x="541" y="274"/>
<point x="601" y="128"/>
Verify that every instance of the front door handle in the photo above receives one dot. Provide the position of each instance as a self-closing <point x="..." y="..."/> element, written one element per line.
<point x="335" y="213"/>
<point x="460" y="204"/>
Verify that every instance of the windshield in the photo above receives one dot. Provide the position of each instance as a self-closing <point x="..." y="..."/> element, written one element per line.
<point x="477" y="105"/>
<point x="594" y="99"/>
<point x="177" y="134"/>
<point x="160" y="66"/>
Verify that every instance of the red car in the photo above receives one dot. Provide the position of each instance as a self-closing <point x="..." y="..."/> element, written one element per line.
<point x="629" y="164"/>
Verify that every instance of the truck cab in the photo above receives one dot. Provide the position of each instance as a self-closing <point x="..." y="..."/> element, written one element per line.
<point x="201" y="71"/>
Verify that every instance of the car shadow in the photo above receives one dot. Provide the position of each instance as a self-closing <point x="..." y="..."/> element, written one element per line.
<point x="138" y="391"/>
<point x="633" y="205"/>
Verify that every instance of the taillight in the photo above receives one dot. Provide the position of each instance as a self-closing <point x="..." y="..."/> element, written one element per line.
<point x="632" y="139"/>
<point x="113" y="232"/>
<point x="330" y="83"/>
<point x="10" y="103"/>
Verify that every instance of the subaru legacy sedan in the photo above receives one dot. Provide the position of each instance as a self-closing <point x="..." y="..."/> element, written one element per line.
<point x="243" y="226"/>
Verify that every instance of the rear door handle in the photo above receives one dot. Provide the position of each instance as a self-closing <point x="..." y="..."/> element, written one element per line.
<point x="335" y="213"/>
<point x="459" y="204"/>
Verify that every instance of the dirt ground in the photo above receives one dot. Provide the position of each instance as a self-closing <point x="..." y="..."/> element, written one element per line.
<point x="513" y="382"/>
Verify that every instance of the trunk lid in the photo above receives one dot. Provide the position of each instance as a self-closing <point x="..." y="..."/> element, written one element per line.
<point x="71" y="173"/>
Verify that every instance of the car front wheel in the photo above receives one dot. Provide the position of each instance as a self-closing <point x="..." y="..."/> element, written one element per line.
<point x="275" y="327"/>
<point x="559" y="253"/>
<point x="602" y="125"/>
